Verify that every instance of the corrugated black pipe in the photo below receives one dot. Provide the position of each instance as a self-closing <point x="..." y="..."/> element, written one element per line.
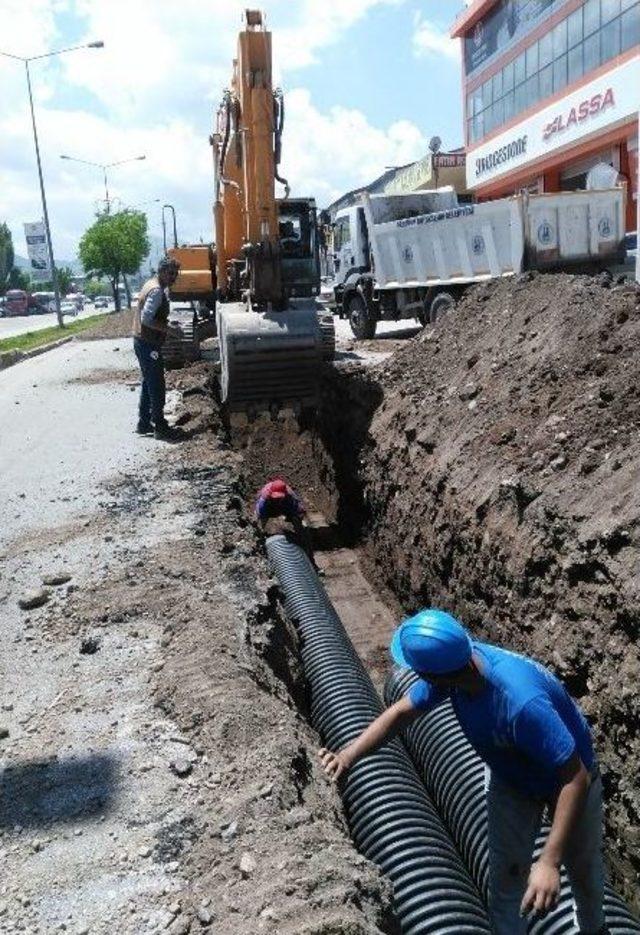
<point x="392" y="819"/>
<point x="454" y="776"/>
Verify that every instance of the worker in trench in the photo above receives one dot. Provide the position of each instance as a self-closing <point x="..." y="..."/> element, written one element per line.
<point x="280" y="511"/>
<point x="533" y="736"/>
<point x="150" y="328"/>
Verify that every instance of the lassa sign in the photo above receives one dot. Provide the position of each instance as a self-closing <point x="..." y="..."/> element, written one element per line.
<point x="578" y="114"/>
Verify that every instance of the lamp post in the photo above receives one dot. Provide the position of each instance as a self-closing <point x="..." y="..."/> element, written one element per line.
<point x="45" y="213"/>
<point x="104" y="166"/>
<point x="164" y="227"/>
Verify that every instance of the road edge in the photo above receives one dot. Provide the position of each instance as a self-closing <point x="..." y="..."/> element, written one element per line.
<point x="9" y="358"/>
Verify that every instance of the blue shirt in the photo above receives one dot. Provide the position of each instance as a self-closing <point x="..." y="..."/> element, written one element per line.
<point x="523" y="724"/>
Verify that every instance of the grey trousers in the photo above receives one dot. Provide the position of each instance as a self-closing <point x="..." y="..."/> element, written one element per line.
<point x="514" y="822"/>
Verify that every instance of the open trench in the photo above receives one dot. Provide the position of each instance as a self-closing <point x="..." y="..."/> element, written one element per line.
<point x="323" y="461"/>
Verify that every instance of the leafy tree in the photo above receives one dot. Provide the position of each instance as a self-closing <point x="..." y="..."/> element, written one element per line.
<point x="6" y="255"/>
<point x="19" y="279"/>
<point x="95" y="287"/>
<point x="115" y="244"/>
<point x="65" y="278"/>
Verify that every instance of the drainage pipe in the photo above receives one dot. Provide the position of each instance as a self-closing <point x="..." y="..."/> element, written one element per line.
<point x="455" y="778"/>
<point x="392" y="819"/>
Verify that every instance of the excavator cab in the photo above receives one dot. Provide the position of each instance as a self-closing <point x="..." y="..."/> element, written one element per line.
<point x="299" y="252"/>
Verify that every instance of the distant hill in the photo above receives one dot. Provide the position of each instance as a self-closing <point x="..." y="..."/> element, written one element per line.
<point x="75" y="265"/>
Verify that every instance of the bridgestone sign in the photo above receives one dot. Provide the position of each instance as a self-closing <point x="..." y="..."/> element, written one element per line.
<point x="499" y="156"/>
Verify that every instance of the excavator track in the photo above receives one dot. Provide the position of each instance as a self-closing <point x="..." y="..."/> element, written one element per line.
<point x="327" y="327"/>
<point x="182" y="349"/>
<point x="269" y="360"/>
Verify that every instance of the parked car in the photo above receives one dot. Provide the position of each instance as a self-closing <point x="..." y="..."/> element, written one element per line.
<point x="1" y="306"/>
<point x="101" y="302"/>
<point x="69" y="308"/>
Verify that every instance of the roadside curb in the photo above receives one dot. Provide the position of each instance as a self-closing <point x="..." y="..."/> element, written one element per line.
<point x="9" y="358"/>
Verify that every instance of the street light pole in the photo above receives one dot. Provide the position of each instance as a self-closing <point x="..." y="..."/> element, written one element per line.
<point x="104" y="166"/>
<point x="45" y="213"/>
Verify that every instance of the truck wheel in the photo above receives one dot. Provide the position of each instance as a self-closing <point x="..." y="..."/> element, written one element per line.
<point x="362" y="324"/>
<point x="443" y="303"/>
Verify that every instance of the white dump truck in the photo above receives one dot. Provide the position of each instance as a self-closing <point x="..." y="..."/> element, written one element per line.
<point x="412" y="256"/>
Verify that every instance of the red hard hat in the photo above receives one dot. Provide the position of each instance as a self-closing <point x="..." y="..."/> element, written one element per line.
<point x="276" y="489"/>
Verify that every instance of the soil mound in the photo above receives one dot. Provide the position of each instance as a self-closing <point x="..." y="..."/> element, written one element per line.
<point x="501" y="476"/>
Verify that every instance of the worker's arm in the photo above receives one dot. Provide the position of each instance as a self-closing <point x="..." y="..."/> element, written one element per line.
<point x="542" y="735"/>
<point x="544" y="879"/>
<point x="389" y="723"/>
<point x="150" y="308"/>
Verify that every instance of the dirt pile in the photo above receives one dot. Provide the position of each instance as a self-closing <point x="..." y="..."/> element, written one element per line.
<point x="117" y="325"/>
<point x="501" y="479"/>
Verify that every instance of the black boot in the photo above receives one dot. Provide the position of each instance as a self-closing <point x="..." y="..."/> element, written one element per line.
<point x="164" y="432"/>
<point x="144" y="428"/>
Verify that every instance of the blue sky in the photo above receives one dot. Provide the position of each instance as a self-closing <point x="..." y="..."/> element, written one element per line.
<point x="368" y="82"/>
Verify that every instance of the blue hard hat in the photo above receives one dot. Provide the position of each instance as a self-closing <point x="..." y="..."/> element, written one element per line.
<point x="431" y="641"/>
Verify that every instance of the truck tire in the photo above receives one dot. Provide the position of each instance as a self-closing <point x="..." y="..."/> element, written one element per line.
<point x="362" y="324"/>
<point x="443" y="303"/>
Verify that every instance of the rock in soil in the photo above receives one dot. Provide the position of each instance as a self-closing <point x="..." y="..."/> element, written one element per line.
<point x="33" y="599"/>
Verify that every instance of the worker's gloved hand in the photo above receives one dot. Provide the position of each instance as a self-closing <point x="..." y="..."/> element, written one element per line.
<point x="543" y="888"/>
<point x="334" y="764"/>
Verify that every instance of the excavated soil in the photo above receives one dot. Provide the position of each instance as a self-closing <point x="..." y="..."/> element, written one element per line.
<point x="117" y="325"/>
<point x="492" y="467"/>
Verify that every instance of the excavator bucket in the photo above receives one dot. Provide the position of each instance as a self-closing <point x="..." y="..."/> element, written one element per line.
<point x="269" y="360"/>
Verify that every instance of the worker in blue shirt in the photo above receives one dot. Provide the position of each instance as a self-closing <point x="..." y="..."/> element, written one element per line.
<point x="533" y="736"/>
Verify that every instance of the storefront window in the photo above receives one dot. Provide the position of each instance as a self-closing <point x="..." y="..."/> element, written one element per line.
<point x="610" y="8"/>
<point x="574" y="28"/>
<point x="532" y="59"/>
<point x="560" y="74"/>
<point x="519" y="69"/>
<point x="560" y="39"/>
<point x="591" y="20"/>
<point x="591" y="52"/>
<point x="595" y="33"/>
<point x="630" y="28"/>
<point x="546" y="81"/>
<point x="610" y="40"/>
<point x="574" y="64"/>
<point x="545" y="50"/>
<point x="507" y="78"/>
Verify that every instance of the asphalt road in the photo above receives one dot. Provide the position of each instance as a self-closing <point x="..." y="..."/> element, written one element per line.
<point x="9" y="327"/>
<point x="62" y="437"/>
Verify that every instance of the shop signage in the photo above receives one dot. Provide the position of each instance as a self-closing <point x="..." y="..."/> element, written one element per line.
<point x="449" y="160"/>
<point x="580" y="112"/>
<point x="509" y="22"/>
<point x="501" y="155"/>
<point x="40" y="267"/>
<point x="593" y="109"/>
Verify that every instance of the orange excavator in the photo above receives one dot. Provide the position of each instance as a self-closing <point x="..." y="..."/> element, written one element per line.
<point x="272" y="340"/>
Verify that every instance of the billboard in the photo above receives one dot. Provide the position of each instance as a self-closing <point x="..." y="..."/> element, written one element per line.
<point x="506" y="24"/>
<point x="39" y="264"/>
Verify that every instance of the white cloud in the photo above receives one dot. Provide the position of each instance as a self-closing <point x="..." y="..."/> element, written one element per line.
<point x="430" y="39"/>
<point x="327" y="154"/>
<point x="154" y="89"/>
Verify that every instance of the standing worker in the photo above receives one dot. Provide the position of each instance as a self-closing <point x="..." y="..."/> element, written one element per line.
<point x="536" y="741"/>
<point x="150" y="327"/>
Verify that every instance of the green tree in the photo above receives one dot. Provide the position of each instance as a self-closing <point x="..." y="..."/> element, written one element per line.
<point x="65" y="278"/>
<point x="95" y="287"/>
<point x="115" y="244"/>
<point x="19" y="279"/>
<point x="6" y="255"/>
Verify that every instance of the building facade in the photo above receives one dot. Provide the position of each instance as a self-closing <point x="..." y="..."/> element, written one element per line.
<point x="551" y="89"/>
